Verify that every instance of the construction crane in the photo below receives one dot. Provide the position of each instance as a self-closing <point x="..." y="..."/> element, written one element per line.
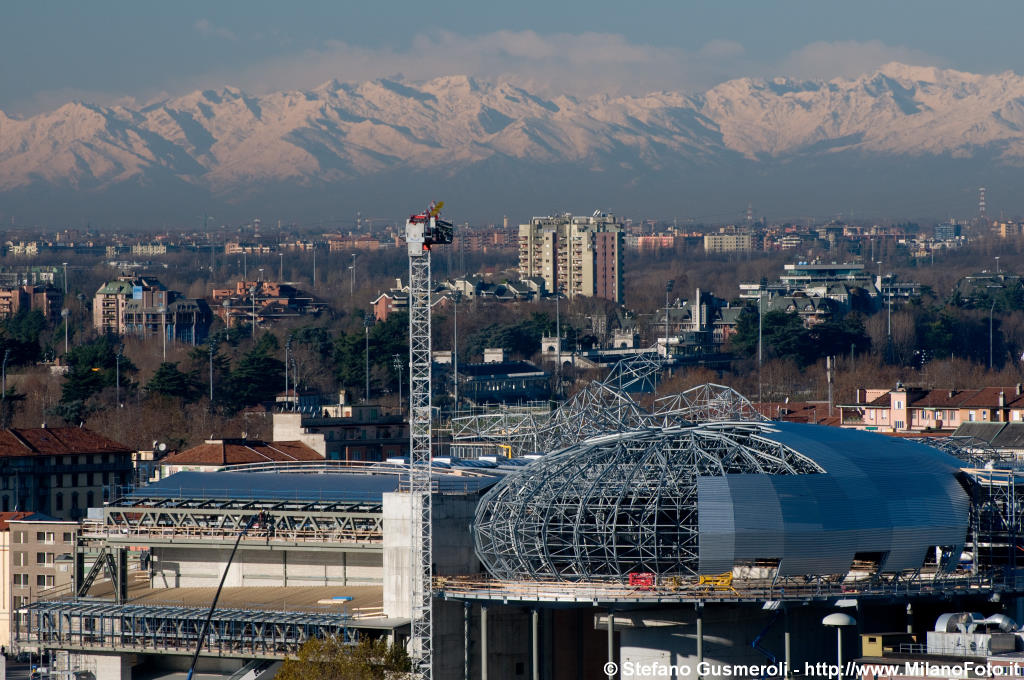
<point x="422" y="231"/>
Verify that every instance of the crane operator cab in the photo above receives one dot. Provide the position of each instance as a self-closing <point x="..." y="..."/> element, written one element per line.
<point x="426" y="229"/>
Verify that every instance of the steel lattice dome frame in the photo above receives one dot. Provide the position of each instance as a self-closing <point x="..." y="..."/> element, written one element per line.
<point x="698" y="499"/>
<point x="619" y="503"/>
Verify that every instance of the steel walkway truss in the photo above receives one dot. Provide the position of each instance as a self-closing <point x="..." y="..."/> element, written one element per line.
<point x="84" y="625"/>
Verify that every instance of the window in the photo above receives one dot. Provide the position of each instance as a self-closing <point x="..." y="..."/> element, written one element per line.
<point x="20" y="560"/>
<point x="44" y="558"/>
<point x="970" y="416"/>
<point x="44" y="581"/>
<point x="58" y="480"/>
<point x="44" y="537"/>
<point x="89" y="499"/>
<point x="21" y="580"/>
<point x="58" y="502"/>
<point x="67" y="537"/>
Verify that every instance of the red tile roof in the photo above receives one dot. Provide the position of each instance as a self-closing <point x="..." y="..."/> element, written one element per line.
<point x="6" y="517"/>
<point x="237" y="451"/>
<point x="55" y="441"/>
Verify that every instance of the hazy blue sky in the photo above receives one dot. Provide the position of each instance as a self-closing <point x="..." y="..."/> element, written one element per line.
<point x="104" y="51"/>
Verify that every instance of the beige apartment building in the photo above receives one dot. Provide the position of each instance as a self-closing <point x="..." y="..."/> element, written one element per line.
<point x="724" y="242"/>
<point x="578" y="256"/>
<point x="35" y="555"/>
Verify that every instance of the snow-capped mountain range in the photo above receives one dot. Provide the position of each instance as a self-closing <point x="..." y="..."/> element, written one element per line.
<point x="228" y="144"/>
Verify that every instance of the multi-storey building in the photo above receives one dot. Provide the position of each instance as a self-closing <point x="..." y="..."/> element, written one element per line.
<point x="142" y="306"/>
<point x="914" y="409"/>
<point x="40" y="551"/>
<point x="109" y="302"/>
<point x="44" y="298"/>
<point x="59" y="471"/>
<point x="263" y="302"/>
<point x="577" y="256"/>
<point x="728" y="242"/>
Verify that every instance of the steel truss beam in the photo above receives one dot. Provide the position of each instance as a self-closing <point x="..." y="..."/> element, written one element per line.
<point x="243" y="633"/>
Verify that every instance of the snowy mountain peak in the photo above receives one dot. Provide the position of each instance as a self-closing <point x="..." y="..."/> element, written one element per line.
<point x="229" y="142"/>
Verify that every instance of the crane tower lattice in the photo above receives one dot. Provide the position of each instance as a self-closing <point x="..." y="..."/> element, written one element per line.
<point x="421" y="232"/>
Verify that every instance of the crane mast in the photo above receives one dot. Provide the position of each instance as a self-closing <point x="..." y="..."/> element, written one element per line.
<point x="421" y="232"/>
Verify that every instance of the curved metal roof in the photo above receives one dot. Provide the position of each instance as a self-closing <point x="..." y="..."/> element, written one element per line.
<point x="702" y="499"/>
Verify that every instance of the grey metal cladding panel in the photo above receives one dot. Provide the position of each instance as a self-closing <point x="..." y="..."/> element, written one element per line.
<point x="910" y="546"/>
<point x="817" y="538"/>
<point x="759" y="524"/>
<point x="716" y="526"/>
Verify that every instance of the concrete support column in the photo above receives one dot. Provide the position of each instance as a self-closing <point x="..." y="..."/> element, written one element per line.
<point x="788" y="645"/>
<point x="465" y="639"/>
<point x="611" y="639"/>
<point x="483" y="642"/>
<point x="700" y="635"/>
<point x="535" y="642"/>
<point x="910" y="618"/>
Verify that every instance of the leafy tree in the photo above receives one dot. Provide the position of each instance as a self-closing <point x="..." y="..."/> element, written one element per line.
<point x="332" y="659"/>
<point x="258" y="377"/>
<point x="386" y="339"/>
<point x="171" y="382"/>
<point x="20" y="336"/>
<point x="784" y="337"/>
<point x="92" y="367"/>
<point x="521" y="338"/>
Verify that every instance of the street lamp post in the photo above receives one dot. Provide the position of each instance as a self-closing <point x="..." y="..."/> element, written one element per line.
<point x="991" y="310"/>
<point x="213" y="348"/>
<point x="760" y="333"/>
<point x="367" y="322"/>
<point x="117" y="377"/>
<point x="455" y="350"/>
<point x="252" y="292"/>
<point x="287" y="353"/>
<point x="64" y="315"/>
<point x="839" y="621"/>
<point x="163" y="328"/>
<point x="668" y="289"/>
<point x="352" y="281"/>
<point x="396" y="361"/>
<point x="3" y="394"/>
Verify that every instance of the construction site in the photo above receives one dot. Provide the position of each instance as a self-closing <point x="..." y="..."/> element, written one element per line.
<point x="622" y="526"/>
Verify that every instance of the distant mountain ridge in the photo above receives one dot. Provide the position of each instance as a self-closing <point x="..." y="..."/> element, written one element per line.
<point x="228" y="144"/>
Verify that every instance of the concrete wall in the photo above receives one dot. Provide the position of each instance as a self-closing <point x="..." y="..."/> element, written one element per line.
<point x="191" y="568"/>
<point x="288" y="428"/>
<point x="452" y="545"/>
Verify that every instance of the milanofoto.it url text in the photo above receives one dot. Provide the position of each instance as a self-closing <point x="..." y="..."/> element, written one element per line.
<point x="850" y="669"/>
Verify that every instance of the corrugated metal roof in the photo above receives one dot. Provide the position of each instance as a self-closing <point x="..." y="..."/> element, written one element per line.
<point x="1009" y="437"/>
<point x="984" y="431"/>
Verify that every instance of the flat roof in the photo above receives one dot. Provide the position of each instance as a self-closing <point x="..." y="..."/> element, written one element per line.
<point x="293" y="485"/>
